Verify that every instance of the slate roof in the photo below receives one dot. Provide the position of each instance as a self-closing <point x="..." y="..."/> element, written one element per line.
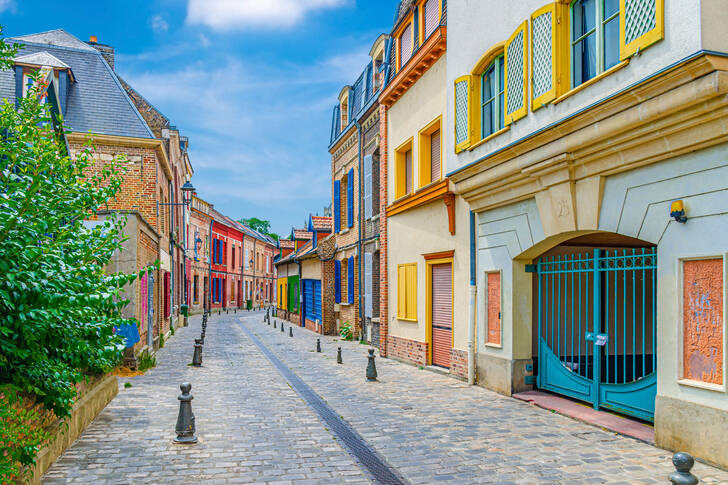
<point x="42" y="59"/>
<point x="96" y="102"/>
<point x="322" y="223"/>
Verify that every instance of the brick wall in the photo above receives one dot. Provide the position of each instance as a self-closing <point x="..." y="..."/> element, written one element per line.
<point x="325" y="250"/>
<point x="383" y="241"/>
<point x="407" y="350"/>
<point x="459" y="363"/>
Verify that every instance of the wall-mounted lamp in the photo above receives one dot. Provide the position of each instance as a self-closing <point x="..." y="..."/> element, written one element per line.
<point x="677" y="211"/>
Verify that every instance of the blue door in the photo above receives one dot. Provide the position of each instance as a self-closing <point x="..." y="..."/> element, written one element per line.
<point x="311" y="301"/>
<point x="597" y="321"/>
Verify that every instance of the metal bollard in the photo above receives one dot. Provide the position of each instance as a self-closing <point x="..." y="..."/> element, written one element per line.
<point x="290" y="331"/>
<point x="683" y="464"/>
<point x="338" y="357"/>
<point x="197" y="355"/>
<point x="282" y="329"/>
<point x="274" y="323"/>
<point x="371" y="367"/>
<point x="185" y="427"/>
<point x="318" y="345"/>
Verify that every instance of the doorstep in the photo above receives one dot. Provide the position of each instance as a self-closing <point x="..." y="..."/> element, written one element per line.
<point x="582" y="412"/>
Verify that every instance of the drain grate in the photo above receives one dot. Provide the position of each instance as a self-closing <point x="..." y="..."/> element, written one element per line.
<point x="374" y="464"/>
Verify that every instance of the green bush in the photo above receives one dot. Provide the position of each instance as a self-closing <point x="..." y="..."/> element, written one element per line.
<point x="346" y="332"/>
<point x="147" y="361"/>
<point x="58" y="305"/>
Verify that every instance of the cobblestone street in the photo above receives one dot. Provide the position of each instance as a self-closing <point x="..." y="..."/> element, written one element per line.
<point x="253" y="427"/>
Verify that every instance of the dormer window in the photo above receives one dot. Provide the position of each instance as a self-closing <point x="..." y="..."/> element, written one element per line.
<point x="344" y="107"/>
<point x="406" y="42"/>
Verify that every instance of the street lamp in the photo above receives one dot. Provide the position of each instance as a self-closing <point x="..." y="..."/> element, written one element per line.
<point x="187" y="190"/>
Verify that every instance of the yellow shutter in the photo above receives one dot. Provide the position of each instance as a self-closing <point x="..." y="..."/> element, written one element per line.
<point x="401" y="291"/>
<point x="544" y="55"/>
<point x="412" y="291"/>
<point x="641" y="24"/>
<point x="516" y="81"/>
<point x="466" y="121"/>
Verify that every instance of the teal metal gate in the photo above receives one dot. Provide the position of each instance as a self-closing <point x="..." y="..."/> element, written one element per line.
<point x="597" y="320"/>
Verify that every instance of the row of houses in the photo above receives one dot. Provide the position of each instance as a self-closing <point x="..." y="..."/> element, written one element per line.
<point x="531" y="195"/>
<point x="166" y="221"/>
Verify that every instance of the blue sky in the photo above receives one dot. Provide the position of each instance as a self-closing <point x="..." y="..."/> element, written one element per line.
<point x="250" y="82"/>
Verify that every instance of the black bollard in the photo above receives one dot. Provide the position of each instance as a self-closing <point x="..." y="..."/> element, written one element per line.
<point x="318" y="345"/>
<point x="371" y="367"/>
<point x="683" y="463"/>
<point x="197" y="355"/>
<point x="338" y="357"/>
<point x="185" y="427"/>
<point x="290" y="331"/>
<point x="282" y="329"/>
<point x="274" y="324"/>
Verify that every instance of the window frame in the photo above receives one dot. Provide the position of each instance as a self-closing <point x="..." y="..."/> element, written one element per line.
<point x="422" y="33"/>
<point x="400" y="180"/>
<point x="498" y="99"/>
<point x="599" y="32"/>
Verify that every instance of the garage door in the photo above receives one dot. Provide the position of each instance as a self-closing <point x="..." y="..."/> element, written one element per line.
<point x="441" y="299"/>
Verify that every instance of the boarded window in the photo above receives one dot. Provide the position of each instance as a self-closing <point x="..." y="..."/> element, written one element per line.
<point x="493" y="302"/>
<point x="703" y="324"/>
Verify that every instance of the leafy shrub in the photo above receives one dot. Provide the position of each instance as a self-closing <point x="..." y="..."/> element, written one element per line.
<point x="147" y="361"/>
<point x="346" y="332"/>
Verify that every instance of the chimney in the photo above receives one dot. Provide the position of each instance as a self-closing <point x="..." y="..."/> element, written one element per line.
<point x="107" y="51"/>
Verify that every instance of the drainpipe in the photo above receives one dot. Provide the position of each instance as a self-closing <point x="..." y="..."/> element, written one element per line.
<point x="473" y="295"/>
<point x="361" y="222"/>
<point x="209" y="270"/>
<point x="171" y="256"/>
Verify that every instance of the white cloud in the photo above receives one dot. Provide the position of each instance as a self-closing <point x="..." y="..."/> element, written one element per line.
<point x="204" y="40"/>
<point x="234" y="14"/>
<point x="159" y="24"/>
<point x="7" y="5"/>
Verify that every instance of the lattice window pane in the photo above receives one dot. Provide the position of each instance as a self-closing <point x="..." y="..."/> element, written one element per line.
<point x="432" y="16"/>
<point x="542" y="38"/>
<point x="514" y="99"/>
<point x="640" y="16"/>
<point x="406" y="45"/>
<point x="461" y="112"/>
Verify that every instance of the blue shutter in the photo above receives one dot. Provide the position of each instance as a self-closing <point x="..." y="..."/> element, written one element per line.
<point x="317" y="299"/>
<point x="337" y="280"/>
<point x="337" y="205"/>
<point x="350" y="198"/>
<point x="350" y="275"/>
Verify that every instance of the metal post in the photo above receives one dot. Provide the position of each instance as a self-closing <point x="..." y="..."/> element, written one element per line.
<point x="683" y="463"/>
<point x="197" y="355"/>
<point x="318" y="345"/>
<point x="371" y="367"/>
<point x="338" y="356"/>
<point x="597" y="356"/>
<point x="185" y="427"/>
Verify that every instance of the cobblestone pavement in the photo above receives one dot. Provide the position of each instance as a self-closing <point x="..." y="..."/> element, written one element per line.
<point x="254" y="428"/>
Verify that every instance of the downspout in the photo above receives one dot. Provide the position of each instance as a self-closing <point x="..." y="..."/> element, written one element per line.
<point x="171" y="256"/>
<point x="209" y="272"/>
<point x="473" y="295"/>
<point x="361" y="222"/>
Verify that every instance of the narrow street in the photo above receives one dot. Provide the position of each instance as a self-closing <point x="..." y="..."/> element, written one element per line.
<point x="253" y="426"/>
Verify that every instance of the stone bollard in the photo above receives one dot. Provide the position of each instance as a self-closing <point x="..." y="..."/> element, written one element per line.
<point x="318" y="345"/>
<point x="197" y="355"/>
<point x="282" y="329"/>
<point x="338" y="357"/>
<point x="371" y="367"/>
<point x="290" y="331"/>
<point x="683" y="464"/>
<point x="185" y="427"/>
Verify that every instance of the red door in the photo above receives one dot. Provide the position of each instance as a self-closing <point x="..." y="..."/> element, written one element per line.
<point x="441" y="301"/>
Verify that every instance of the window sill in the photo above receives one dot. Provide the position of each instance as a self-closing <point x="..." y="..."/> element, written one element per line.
<point x="702" y="385"/>
<point x="490" y="137"/>
<point x="591" y="81"/>
<point x="494" y="346"/>
<point x="343" y="231"/>
<point x="402" y="319"/>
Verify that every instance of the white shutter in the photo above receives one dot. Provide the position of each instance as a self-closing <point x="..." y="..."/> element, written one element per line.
<point x="368" y="187"/>
<point x="368" y="303"/>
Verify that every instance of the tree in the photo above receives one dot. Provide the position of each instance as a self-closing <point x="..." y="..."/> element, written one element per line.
<point x="260" y="225"/>
<point x="58" y="304"/>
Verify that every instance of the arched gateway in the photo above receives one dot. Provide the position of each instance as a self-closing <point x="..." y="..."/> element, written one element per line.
<point x="595" y="321"/>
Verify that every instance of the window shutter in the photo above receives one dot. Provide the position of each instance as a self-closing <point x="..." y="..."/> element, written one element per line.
<point x="412" y="292"/>
<point x="544" y="40"/>
<point x="337" y="205"/>
<point x="408" y="172"/>
<point x="337" y="280"/>
<point x="368" y="303"/>
<point x="350" y="276"/>
<point x="405" y="43"/>
<point x="516" y="63"/>
<point x="368" y="187"/>
<point x="465" y="109"/>
<point x="642" y="23"/>
<point x="431" y="15"/>
<point x="350" y="198"/>
<point x="402" y="291"/>
<point x="167" y="309"/>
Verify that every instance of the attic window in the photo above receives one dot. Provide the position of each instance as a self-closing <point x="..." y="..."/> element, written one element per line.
<point x="344" y="111"/>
